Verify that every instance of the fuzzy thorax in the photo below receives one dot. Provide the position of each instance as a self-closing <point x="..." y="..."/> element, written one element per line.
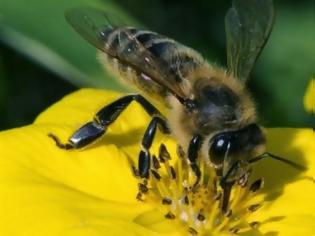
<point x="222" y="104"/>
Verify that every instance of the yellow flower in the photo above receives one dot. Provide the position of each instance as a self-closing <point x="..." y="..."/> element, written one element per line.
<point x="309" y="98"/>
<point x="48" y="191"/>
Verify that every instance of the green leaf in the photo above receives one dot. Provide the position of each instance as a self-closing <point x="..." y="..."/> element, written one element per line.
<point x="286" y="65"/>
<point x="39" y="30"/>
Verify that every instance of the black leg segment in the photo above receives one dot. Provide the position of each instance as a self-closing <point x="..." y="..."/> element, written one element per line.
<point x="151" y="130"/>
<point x="144" y="156"/>
<point x="59" y="144"/>
<point x="144" y="164"/>
<point x="109" y="113"/>
<point x="91" y="131"/>
<point x="193" y="151"/>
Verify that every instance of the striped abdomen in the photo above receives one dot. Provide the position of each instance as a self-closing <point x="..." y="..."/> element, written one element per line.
<point x="139" y="56"/>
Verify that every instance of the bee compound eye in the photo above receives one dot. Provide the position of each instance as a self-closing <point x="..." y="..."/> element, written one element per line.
<point x="218" y="149"/>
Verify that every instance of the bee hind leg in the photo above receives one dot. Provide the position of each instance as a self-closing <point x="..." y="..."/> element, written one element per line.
<point x="82" y="137"/>
<point x="144" y="156"/>
<point x="66" y="146"/>
<point x="92" y="130"/>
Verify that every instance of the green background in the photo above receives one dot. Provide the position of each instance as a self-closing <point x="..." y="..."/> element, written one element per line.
<point x="42" y="58"/>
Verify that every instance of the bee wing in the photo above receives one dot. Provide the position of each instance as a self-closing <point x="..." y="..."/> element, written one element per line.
<point x="88" y="24"/>
<point x="248" y="24"/>
<point x="97" y="28"/>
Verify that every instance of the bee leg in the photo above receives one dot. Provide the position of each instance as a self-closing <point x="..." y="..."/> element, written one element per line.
<point x="144" y="156"/>
<point x="91" y="131"/>
<point x="66" y="146"/>
<point x="193" y="151"/>
<point x="86" y="134"/>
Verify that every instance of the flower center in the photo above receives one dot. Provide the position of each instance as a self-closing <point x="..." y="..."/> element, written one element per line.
<point x="198" y="207"/>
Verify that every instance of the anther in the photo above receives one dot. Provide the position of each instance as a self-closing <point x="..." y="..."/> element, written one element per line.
<point x="234" y="230"/>
<point x="170" y="216"/>
<point x="192" y="231"/>
<point x="163" y="153"/>
<point x="244" y="179"/>
<point x="156" y="163"/>
<point x="217" y="196"/>
<point x="201" y="217"/>
<point x="254" y="224"/>
<point x="228" y="213"/>
<point x="254" y="207"/>
<point x="258" y="184"/>
<point x="166" y="201"/>
<point x="139" y="196"/>
<point x="135" y="171"/>
<point x="180" y="152"/>
<point x="156" y="175"/>
<point x="143" y="188"/>
<point x="172" y="172"/>
<point x="186" y="200"/>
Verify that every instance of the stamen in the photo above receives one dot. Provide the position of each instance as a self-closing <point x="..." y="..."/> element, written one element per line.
<point x="258" y="184"/>
<point x="228" y="213"/>
<point x="234" y="230"/>
<point x="254" y="224"/>
<point x="201" y="217"/>
<point x="135" y="171"/>
<point x="217" y="196"/>
<point x="156" y="163"/>
<point x="253" y="207"/>
<point x="186" y="200"/>
<point x="170" y="216"/>
<point x="244" y="179"/>
<point x="173" y="172"/>
<point x="166" y="201"/>
<point x="139" y="196"/>
<point x="198" y="208"/>
<point x="143" y="188"/>
<point x="192" y="231"/>
<point x="180" y="152"/>
<point x="164" y="154"/>
<point x="156" y="175"/>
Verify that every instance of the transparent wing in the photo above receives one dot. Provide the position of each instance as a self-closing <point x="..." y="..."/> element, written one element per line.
<point x="248" y="24"/>
<point x="126" y="45"/>
<point x="90" y="23"/>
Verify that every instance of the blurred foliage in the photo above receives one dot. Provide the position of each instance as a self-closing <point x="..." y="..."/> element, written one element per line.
<point x="42" y="58"/>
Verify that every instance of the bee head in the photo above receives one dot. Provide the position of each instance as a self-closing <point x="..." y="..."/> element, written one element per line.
<point x="231" y="148"/>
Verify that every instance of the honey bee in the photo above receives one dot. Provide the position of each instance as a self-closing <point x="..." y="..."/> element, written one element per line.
<point x="210" y="111"/>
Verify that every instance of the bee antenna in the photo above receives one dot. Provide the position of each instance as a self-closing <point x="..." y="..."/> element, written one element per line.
<point x="267" y="154"/>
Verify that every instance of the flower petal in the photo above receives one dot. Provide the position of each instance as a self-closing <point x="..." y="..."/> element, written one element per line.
<point x="48" y="191"/>
<point x="289" y="194"/>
